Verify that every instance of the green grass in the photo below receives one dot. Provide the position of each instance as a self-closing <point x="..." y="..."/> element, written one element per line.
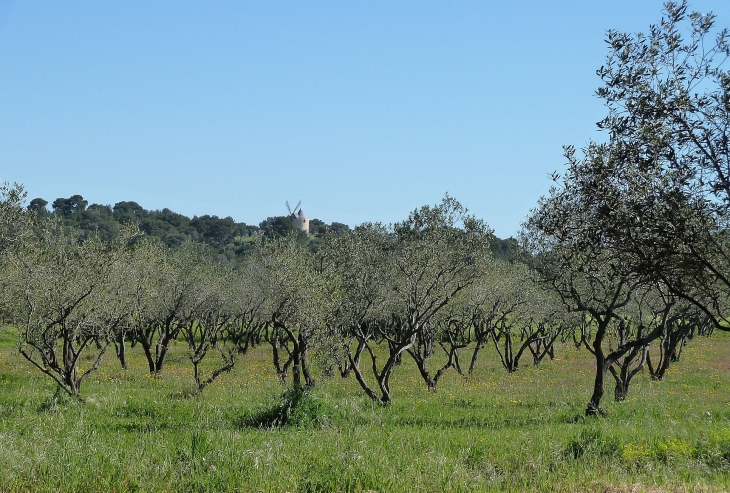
<point x="493" y="432"/>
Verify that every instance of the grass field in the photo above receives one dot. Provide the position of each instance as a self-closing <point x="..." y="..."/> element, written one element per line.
<point x="492" y="432"/>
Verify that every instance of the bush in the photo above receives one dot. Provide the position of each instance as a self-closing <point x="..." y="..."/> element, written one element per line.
<point x="592" y="442"/>
<point x="298" y="407"/>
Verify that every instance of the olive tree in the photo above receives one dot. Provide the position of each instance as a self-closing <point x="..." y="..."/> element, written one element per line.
<point x="166" y="283"/>
<point x="648" y="310"/>
<point x="521" y="316"/>
<point x="451" y="330"/>
<point x="488" y="299"/>
<point x="65" y="305"/>
<point x="683" y="319"/>
<point x="222" y="315"/>
<point x="207" y="314"/>
<point x="354" y="265"/>
<point x="296" y="304"/>
<point x="668" y="122"/>
<point x="652" y="309"/>
<point x="15" y="221"/>
<point x="569" y="235"/>
<point x="427" y="260"/>
<point x="248" y="323"/>
<point x="649" y="208"/>
<point x="438" y="252"/>
<point x="507" y="305"/>
<point x="15" y="227"/>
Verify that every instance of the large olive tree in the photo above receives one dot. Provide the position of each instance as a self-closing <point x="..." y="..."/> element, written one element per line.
<point x="668" y="123"/>
<point x="569" y="235"/>
<point x="65" y="304"/>
<point x="649" y="208"/>
<point x="426" y="261"/>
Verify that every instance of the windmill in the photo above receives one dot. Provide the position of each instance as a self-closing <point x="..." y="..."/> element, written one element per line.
<point x="298" y="219"/>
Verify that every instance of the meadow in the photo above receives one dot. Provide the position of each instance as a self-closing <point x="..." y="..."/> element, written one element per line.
<point x="494" y="431"/>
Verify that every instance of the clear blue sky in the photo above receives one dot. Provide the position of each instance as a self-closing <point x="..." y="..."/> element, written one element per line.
<point x="364" y="110"/>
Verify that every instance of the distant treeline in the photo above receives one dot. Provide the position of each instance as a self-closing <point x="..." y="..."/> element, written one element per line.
<point x="227" y="238"/>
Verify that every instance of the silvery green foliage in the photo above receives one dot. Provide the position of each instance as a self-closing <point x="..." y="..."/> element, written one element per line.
<point x="208" y="318"/>
<point x="166" y="286"/>
<point x="353" y="267"/>
<point x="296" y="303"/>
<point x="66" y="302"/>
<point x="15" y="221"/>
<point x="415" y="268"/>
<point x="15" y="226"/>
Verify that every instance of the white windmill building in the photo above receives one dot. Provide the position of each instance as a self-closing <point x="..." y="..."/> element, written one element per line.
<point x="298" y="219"/>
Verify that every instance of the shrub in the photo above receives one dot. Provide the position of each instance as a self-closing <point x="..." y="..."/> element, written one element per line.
<point x="592" y="442"/>
<point x="298" y="407"/>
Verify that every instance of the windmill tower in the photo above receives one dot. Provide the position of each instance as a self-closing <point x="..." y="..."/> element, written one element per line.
<point x="298" y="219"/>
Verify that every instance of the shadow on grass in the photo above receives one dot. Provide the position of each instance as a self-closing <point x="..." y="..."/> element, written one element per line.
<point x="58" y="400"/>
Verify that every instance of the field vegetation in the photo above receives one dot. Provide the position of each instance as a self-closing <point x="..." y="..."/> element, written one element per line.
<point x="492" y="431"/>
